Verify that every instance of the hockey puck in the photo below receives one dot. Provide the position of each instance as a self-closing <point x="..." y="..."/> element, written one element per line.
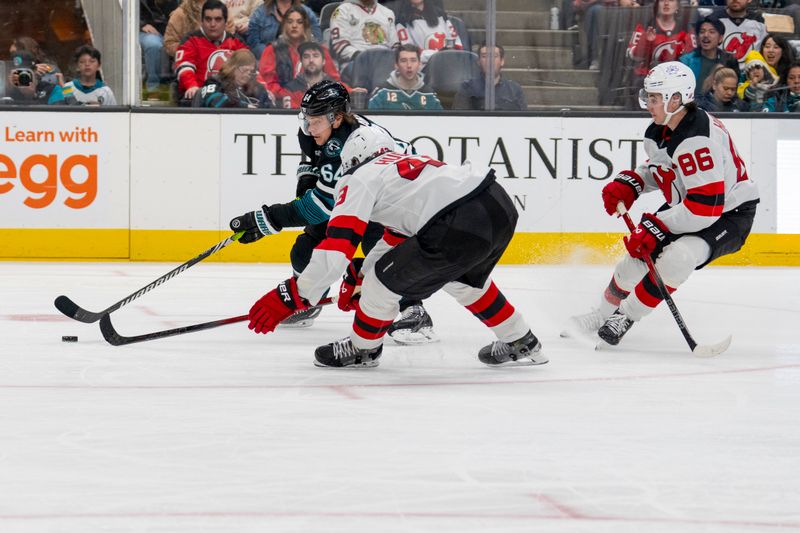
<point x="69" y="338"/>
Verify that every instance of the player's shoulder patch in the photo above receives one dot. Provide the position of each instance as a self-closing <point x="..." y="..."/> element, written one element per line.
<point x="332" y="148"/>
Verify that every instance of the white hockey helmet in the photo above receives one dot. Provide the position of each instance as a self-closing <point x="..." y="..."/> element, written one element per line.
<point x="667" y="79"/>
<point x="365" y="143"/>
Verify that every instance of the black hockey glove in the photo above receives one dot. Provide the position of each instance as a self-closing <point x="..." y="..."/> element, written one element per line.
<point x="307" y="176"/>
<point x="255" y="225"/>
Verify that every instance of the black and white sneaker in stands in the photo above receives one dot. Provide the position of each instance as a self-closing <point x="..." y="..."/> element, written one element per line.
<point x="302" y="319"/>
<point x="615" y="327"/>
<point x="415" y="326"/>
<point x="524" y="351"/>
<point x="584" y="325"/>
<point x="342" y="353"/>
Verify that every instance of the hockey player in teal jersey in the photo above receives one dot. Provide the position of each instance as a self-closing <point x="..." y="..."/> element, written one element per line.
<point x="405" y="88"/>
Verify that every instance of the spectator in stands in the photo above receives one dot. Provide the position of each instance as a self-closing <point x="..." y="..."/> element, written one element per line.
<point x="314" y="59"/>
<point x="24" y="81"/>
<point x="153" y="19"/>
<point x="183" y="21"/>
<point x="703" y="59"/>
<point x="508" y="95"/>
<point x="202" y="52"/>
<point x="760" y="78"/>
<point x="778" y="54"/>
<point x="719" y="91"/>
<point x="235" y="85"/>
<point x="265" y="23"/>
<point x="359" y="25"/>
<point x="744" y="28"/>
<point x="88" y="87"/>
<point x="239" y="13"/>
<point x="46" y="68"/>
<point x="664" y="39"/>
<point x="280" y="62"/>
<point x="788" y="98"/>
<point x="426" y="26"/>
<point x="405" y="87"/>
<point x="587" y="13"/>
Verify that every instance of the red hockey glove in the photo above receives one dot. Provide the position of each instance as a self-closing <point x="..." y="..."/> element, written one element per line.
<point x="649" y="239"/>
<point x="626" y="187"/>
<point x="276" y="306"/>
<point x="348" y="299"/>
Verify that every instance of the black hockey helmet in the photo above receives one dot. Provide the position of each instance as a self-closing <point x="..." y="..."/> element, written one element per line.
<point x="326" y="97"/>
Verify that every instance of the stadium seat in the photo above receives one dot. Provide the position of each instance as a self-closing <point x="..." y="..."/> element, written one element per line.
<point x="447" y="70"/>
<point x="325" y="14"/>
<point x="372" y="67"/>
<point x="462" y="30"/>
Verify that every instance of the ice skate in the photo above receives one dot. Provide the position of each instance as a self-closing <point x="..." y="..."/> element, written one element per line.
<point x="524" y="351"/>
<point x="302" y="319"/>
<point x="585" y="325"/>
<point x="342" y="353"/>
<point x="615" y="327"/>
<point x="415" y="326"/>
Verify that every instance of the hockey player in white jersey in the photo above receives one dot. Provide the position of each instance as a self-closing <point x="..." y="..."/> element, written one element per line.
<point x="709" y="210"/>
<point x="448" y="226"/>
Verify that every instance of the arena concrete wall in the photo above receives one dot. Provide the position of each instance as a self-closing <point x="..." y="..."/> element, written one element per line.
<point x="162" y="186"/>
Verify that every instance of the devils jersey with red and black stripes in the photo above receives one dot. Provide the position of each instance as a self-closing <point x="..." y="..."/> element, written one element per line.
<point x="400" y="192"/>
<point x="199" y="58"/>
<point x="698" y="170"/>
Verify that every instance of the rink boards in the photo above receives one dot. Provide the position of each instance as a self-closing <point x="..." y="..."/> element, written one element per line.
<point x="162" y="186"/>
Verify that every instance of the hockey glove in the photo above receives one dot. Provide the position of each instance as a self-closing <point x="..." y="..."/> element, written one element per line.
<point x="626" y="187"/>
<point x="255" y="225"/>
<point x="307" y="176"/>
<point x="276" y="306"/>
<point x="649" y="238"/>
<point x="348" y="299"/>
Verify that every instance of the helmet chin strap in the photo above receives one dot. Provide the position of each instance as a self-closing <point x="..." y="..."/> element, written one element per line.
<point x="669" y="115"/>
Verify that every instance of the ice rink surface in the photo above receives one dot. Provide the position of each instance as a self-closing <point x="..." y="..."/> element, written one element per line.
<point x="228" y="431"/>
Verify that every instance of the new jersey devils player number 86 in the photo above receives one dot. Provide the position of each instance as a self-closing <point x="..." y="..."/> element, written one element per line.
<point x="710" y="202"/>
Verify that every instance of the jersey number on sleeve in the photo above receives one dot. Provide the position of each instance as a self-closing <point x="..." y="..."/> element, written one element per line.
<point x="411" y="167"/>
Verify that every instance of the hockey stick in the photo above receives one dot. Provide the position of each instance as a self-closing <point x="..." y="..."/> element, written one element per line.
<point x="114" y="338"/>
<point x="76" y="312"/>
<point x="707" y="350"/>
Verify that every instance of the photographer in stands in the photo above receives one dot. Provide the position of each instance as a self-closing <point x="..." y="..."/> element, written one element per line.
<point x="25" y="85"/>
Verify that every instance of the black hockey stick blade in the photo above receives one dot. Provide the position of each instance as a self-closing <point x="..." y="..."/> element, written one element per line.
<point x="114" y="338"/>
<point x="76" y="312"/>
<point x="706" y="350"/>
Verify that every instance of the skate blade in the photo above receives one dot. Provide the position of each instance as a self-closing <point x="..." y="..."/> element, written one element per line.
<point x="538" y="359"/>
<point x="409" y="337"/>
<point x="371" y="364"/>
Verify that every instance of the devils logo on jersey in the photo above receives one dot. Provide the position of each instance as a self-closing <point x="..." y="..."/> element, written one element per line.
<point x="216" y="60"/>
<point x="739" y="43"/>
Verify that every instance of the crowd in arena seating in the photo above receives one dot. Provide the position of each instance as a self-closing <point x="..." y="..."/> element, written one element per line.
<point x="35" y="79"/>
<point x="380" y="52"/>
<point x="738" y="64"/>
<point x="408" y="54"/>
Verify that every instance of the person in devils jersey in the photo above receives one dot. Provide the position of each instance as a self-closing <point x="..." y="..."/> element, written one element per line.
<point x="664" y="39"/>
<point x="451" y="225"/>
<point x="709" y="210"/>
<point x="326" y="123"/>
<point x="202" y="52"/>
